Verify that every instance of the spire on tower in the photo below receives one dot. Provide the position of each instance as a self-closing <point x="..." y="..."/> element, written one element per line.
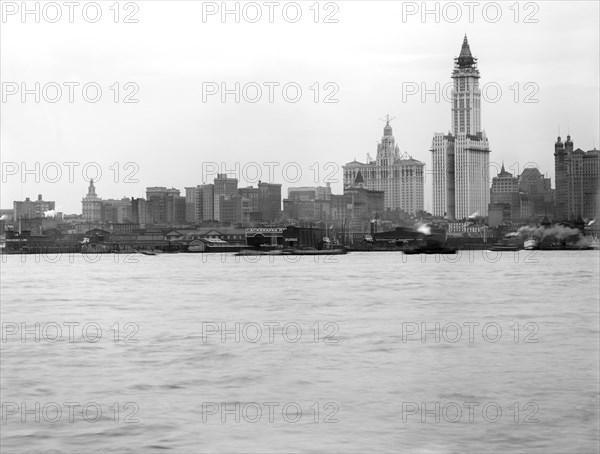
<point x="387" y="130"/>
<point x="503" y="172"/>
<point x="91" y="188"/>
<point x="465" y="59"/>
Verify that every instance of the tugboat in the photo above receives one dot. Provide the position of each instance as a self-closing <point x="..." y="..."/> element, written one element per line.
<point x="431" y="247"/>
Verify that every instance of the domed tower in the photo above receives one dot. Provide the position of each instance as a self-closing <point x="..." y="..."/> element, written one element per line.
<point x="91" y="205"/>
<point x="560" y="177"/>
<point x="91" y="188"/>
<point x="558" y="146"/>
<point x="569" y="145"/>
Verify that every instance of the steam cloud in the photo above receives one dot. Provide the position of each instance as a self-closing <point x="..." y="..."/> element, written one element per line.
<point x="424" y="229"/>
<point x="558" y="232"/>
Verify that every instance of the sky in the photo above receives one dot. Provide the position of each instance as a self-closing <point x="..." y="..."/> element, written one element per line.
<point x="354" y="62"/>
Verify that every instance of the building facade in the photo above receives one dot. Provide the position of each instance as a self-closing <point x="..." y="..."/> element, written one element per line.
<point x="460" y="159"/>
<point x="31" y="209"/>
<point x="505" y="190"/>
<point x="116" y="211"/>
<point x="223" y="187"/>
<point x="139" y="212"/>
<point x="367" y="204"/>
<point x="577" y="175"/>
<point x="165" y="206"/>
<point x="230" y="209"/>
<point x="310" y="193"/>
<point x="316" y="203"/>
<point x="206" y="200"/>
<point x="250" y="206"/>
<point x="269" y="201"/>
<point x="192" y="213"/>
<point x="538" y="189"/>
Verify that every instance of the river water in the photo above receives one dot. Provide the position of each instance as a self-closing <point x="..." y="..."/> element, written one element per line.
<point x="374" y="352"/>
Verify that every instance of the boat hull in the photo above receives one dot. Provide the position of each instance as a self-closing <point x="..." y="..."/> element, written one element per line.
<point x="504" y="248"/>
<point x="316" y="252"/>
<point x="253" y="252"/>
<point x="429" y="251"/>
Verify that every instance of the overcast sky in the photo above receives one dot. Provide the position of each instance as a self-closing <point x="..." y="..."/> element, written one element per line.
<point x="370" y="57"/>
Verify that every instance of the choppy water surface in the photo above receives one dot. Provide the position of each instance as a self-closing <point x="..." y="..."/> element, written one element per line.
<point x="331" y="355"/>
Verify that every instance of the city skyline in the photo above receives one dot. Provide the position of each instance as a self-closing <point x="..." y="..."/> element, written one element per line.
<point x="405" y="160"/>
<point x="350" y="175"/>
<point x="310" y="226"/>
<point x="373" y="75"/>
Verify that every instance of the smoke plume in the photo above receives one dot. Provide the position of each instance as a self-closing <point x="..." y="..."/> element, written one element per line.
<point x="423" y="228"/>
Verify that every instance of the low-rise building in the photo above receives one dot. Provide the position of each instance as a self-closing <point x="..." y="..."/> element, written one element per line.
<point x="29" y="209"/>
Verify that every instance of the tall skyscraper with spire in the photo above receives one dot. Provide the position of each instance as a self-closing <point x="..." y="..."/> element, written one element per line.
<point x="461" y="158"/>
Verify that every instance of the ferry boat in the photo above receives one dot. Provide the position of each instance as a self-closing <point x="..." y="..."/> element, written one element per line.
<point x="594" y="243"/>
